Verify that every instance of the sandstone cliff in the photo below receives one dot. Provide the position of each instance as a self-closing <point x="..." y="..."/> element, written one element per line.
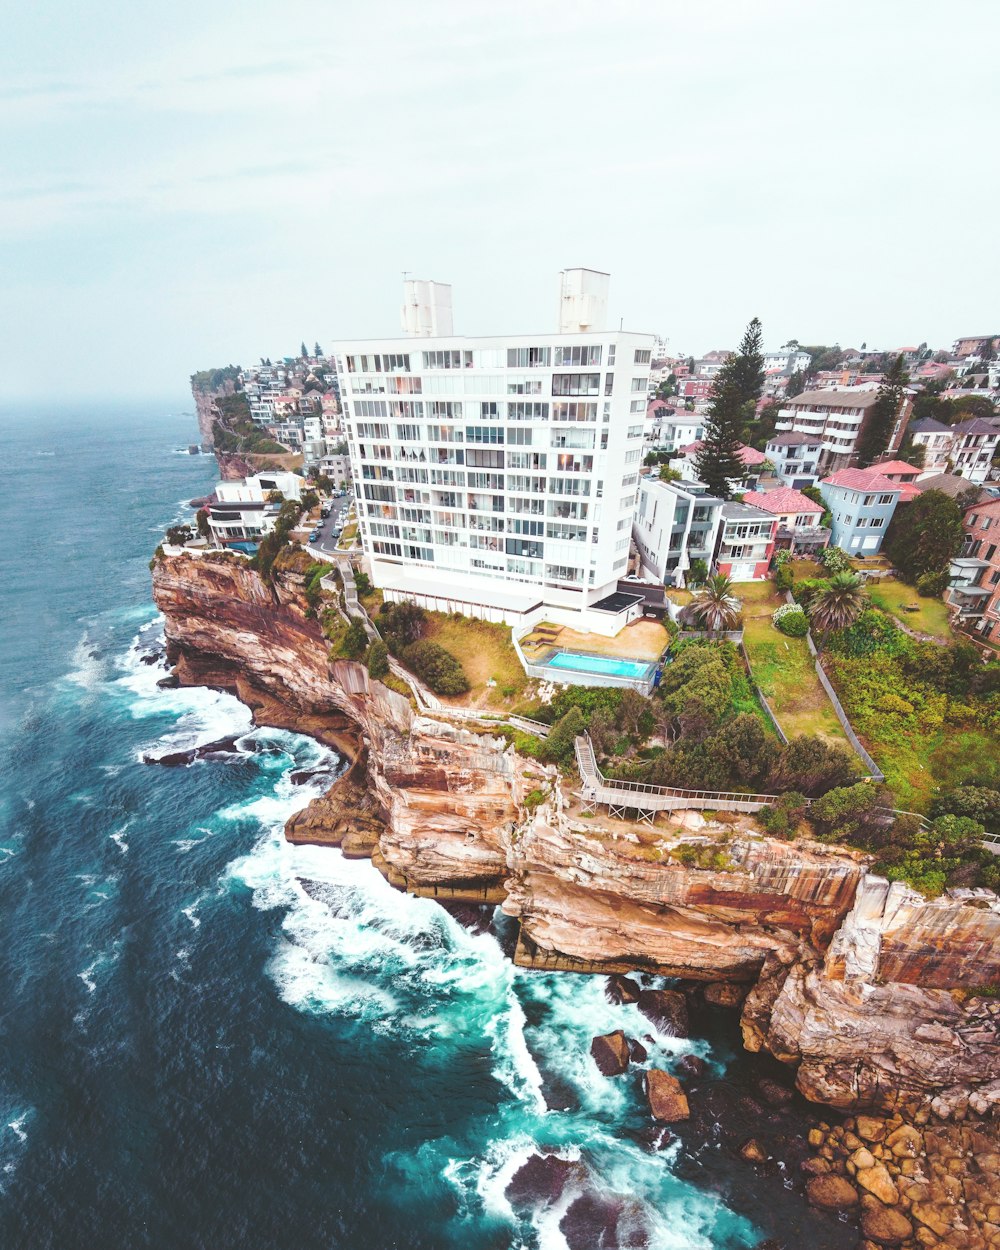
<point x="868" y="990"/>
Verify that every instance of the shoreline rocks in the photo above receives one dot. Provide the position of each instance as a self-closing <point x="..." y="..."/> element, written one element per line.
<point x="667" y="1101"/>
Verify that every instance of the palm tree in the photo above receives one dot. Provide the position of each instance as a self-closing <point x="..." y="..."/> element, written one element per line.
<point x="714" y="605"/>
<point x="839" y="606"/>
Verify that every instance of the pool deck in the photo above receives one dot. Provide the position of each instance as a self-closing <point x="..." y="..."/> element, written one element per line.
<point x="642" y="641"/>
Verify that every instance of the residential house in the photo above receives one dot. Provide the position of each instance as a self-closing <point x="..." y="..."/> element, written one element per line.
<point x="753" y="461"/>
<point x="799" y="517"/>
<point x="905" y="474"/>
<point x="935" y="438"/>
<point x="974" y="591"/>
<point x="795" y="458"/>
<point x="674" y="524"/>
<point x="711" y="363"/>
<point x="678" y="429"/>
<point x="745" y="542"/>
<point x="240" y="512"/>
<point x="978" y="345"/>
<point x="788" y="360"/>
<point x="959" y="488"/>
<point x="973" y="447"/>
<point x="861" y="503"/>
<point x="838" y="418"/>
<point x="699" y="389"/>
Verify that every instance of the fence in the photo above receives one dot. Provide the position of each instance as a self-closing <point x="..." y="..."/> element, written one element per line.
<point x="762" y="698"/>
<point x="572" y="677"/>
<point x="692" y="635"/>
<point x="874" y="771"/>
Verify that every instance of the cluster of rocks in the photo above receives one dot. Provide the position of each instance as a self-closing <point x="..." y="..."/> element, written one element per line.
<point x="614" y="1052"/>
<point x="910" y="1184"/>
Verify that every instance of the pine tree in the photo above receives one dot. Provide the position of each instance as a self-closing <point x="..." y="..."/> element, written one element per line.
<point x="734" y="396"/>
<point x="318" y="352"/>
<point x="881" y="420"/>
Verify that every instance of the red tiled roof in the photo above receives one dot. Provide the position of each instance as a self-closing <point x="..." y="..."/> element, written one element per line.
<point x="861" y="479"/>
<point x="908" y="491"/>
<point x="781" y="501"/>
<point x="895" y="466"/>
<point x="749" y="455"/>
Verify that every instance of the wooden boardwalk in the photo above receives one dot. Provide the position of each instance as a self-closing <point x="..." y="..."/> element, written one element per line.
<point x="647" y="800"/>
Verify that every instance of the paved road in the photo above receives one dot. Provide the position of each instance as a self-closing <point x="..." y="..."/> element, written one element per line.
<point x="336" y="520"/>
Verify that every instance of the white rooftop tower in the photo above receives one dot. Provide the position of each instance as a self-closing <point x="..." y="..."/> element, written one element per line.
<point x="583" y="301"/>
<point x="426" y="310"/>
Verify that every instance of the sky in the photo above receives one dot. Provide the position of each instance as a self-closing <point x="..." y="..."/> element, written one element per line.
<point x="184" y="185"/>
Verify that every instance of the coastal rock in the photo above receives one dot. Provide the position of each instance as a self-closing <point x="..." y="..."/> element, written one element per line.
<point x="610" y="1052"/>
<point x="877" y="1181"/>
<point x="619" y="990"/>
<point x="886" y="1227"/>
<point x="208" y="750"/>
<point x="667" y="1100"/>
<point x="725" y="994"/>
<point x="852" y="978"/>
<point x="667" y="1009"/>
<point x="637" y="1053"/>
<point x="752" y="1151"/>
<point x="594" y="1220"/>
<point x="692" y="1065"/>
<point x="541" y="1180"/>
<point x="832" y="1193"/>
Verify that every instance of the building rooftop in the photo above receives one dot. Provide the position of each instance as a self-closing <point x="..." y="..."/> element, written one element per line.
<point x="861" y="479"/>
<point x="978" y="425"/>
<point x="734" y="511"/>
<point x="950" y="483"/>
<point x="898" y="467"/>
<point x="782" y="500"/>
<point x="929" y="425"/>
<point x="791" y="440"/>
<point x="749" y="455"/>
<point x="854" y="398"/>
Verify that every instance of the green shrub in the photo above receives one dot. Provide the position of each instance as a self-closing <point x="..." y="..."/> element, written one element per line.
<point x="783" y="818"/>
<point x="835" y="561"/>
<point x="933" y="585"/>
<point x="362" y="583"/>
<point x="784" y="578"/>
<point x="436" y="666"/>
<point x="790" y="619"/>
<point x="558" y="747"/>
<point x="533" y="799"/>
<point x="355" y="640"/>
<point x="378" y="659"/>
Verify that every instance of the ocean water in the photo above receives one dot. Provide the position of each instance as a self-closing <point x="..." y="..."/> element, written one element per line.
<point x="209" y="1038"/>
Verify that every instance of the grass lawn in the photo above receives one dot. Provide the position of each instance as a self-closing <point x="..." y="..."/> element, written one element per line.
<point x="806" y="570"/>
<point x="893" y="596"/>
<point x="783" y="667"/>
<point x="485" y="651"/>
<point x="348" y="536"/>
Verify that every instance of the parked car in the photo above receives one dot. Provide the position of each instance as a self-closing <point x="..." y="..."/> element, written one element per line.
<point x="314" y="536"/>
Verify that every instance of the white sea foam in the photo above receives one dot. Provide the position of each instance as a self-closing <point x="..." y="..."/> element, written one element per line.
<point x="89" y="669"/>
<point x="118" y="838"/>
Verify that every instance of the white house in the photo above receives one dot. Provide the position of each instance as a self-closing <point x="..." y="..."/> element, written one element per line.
<point x="936" y="440"/>
<point x="795" y="458"/>
<point x="241" y="512"/>
<point x="675" y="523"/>
<point x="974" y="444"/>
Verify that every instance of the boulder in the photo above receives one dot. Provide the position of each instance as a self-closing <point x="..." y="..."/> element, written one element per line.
<point x="540" y="1181"/>
<point x="667" y="1100"/>
<point x="724" y="994"/>
<point x="878" y="1182"/>
<point x="667" y="1009"/>
<point x="692" y="1065"/>
<point x="608" y="1220"/>
<point x="619" y="989"/>
<point x="636" y="1051"/>
<point x="753" y="1151"/>
<point x="832" y="1193"/>
<point x="610" y="1052"/>
<point x="862" y="1158"/>
<point x="905" y="1143"/>
<point x="885" y="1226"/>
<point x="869" y="1129"/>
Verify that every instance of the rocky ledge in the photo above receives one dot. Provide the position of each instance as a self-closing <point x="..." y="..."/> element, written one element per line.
<point x="870" y="993"/>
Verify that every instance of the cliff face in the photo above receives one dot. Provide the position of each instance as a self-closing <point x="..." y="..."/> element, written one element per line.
<point x="203" y="401"/>
<point x="866" y="988"/>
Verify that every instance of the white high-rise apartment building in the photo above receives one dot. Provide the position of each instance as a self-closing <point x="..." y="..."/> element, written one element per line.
<point x="497" y="476"/>
<point x="426" y="310"/>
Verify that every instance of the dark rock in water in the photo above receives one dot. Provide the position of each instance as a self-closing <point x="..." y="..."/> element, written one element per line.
<point x="692" y="1065"/>
<point x="300" y="776"/>
<point x="610" y="1052"/>
<point x="636" y="1051"/>
<point x="152" y="657"/>
<point x="170" y="682"/>
<point x="605" y="1222"/>
<point x="771" y="1244"/>
<point x="540" y="1181"/>
<point x="774" y="1094"/>
<point x="180" y="759"/>
<point x="477" y="919"/>
<point x="753" y="1151"/>
<point x="667" y="1009"/>
<point x="619" y="989"/>
<point x="656" y="1137"/>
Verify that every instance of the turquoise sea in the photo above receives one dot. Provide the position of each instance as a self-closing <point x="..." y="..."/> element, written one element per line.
<point x="211" y="1039"/>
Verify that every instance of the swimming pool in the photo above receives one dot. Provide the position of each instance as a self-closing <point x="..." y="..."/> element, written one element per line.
<point x="604" y="665"/>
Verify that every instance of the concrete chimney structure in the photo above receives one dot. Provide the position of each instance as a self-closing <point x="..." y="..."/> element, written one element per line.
<point x="583" y="301"/>
<point x="426" y="311"/>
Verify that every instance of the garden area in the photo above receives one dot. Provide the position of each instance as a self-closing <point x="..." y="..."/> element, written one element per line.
<point x="783" y="667"/>
<point x="897" y="599"/>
